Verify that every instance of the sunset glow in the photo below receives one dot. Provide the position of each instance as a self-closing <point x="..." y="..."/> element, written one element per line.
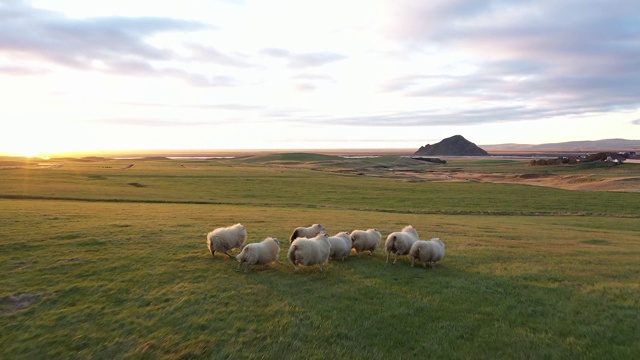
<point x="144" y="75"/>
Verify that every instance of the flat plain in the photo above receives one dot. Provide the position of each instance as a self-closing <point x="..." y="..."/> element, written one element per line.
<point x="106" y="258"/>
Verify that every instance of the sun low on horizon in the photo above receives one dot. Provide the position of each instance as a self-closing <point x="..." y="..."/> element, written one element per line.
<point x="81" y="139"/>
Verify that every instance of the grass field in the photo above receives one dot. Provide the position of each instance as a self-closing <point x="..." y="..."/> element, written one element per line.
<point x="102" y="260"/>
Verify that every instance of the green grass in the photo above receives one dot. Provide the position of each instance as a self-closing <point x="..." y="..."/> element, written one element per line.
<point x="510" y="166"/>
<point x="123" y="271"/>
<point x="235" y="182"/>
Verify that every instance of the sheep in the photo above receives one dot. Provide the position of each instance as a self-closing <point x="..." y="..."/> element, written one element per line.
<point x="262" y="253"/>
<point x="366" y="240"/>
<point x="310" y="251"/>
<point x="307" y="232"/>
<point x="427" y="251"/>
<point x="340" y="245"/>
<point x="227" y="238"/>
<point x="400" y="242"/>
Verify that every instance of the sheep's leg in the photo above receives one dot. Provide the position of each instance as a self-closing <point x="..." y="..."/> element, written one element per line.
<point x="320" y="267"/>
<point x="388" y="253"/>
<point x="413" y="260"/>
<point x="279" y="262"/>
<point x="226" y="253"/>
<point x="246" y="267"/>
<point x="395" y="259"/>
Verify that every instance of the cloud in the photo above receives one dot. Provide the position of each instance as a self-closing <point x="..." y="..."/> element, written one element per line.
<point x="147" y="122"/>
<point x="201" y="80"/>
<point x="304" y="60"/>
<point x="312" y="77"/>
<point x="17" y="70"/>
<point x="636" y="122"/>
<point x="118" y="43"/>
<point x="424" y="118"/>
<point x="566" y="57"/>
<point x="234" y="107"/>
<point x="306" y="82"/>
<point x="307" y="60"/>
<point x="222" y="106"/>
<point x="76" y="42"/>
<point x="210" y="54"/>
<point x="280" y="53"/>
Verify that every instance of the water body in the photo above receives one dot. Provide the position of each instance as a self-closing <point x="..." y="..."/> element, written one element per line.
<point x="199" y="157"/>
<point x="177" y="157"/>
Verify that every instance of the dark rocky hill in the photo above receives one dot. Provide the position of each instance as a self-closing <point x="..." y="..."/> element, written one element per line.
<point x="454" y="146"/>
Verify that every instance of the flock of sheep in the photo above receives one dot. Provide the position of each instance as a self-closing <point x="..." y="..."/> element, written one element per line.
<point x="312" y="246"/>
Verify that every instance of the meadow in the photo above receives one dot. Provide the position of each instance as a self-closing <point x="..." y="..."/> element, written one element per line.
<point x="105" y="260"/>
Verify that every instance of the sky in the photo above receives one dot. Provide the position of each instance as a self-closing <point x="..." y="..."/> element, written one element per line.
<point x="203" y="74"/>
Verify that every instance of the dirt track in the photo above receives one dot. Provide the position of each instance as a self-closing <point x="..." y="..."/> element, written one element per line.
<point x="568" y="182"/>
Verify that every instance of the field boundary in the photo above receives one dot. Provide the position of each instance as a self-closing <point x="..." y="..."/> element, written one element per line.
<point x="312" y="206"/>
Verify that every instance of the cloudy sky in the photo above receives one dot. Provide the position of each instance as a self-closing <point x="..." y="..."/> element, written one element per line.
<point x="205" y="74"/>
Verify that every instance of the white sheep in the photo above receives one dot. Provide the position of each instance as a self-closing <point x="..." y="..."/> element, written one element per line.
<point x="307" y="252"/>
<point x="399" y="242"/>
<point x="366" y="240"/>
<point x="227" y="238"/>
<point x="307" y="232"/>
<point x="427" y="251"/>
<point x="262" y="253"/>
<point x="341" y="245"/>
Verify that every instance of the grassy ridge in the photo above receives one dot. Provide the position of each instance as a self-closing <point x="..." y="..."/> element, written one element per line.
<point x="134" y="279"/>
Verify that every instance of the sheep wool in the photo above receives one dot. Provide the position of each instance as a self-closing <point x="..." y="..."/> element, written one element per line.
<point x="226" y="238"/>
<point x="427" y="251"/>
<point x="366" y="240"/>
<point x="340" y="245"/>
<point x="399" y="242"/>
<point x="307" y="232"/>
<point x="308" y="252"/>
<point x="262" y="253"/>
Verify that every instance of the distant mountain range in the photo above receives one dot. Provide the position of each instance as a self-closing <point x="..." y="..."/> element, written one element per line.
<point x="578" y="146"/>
